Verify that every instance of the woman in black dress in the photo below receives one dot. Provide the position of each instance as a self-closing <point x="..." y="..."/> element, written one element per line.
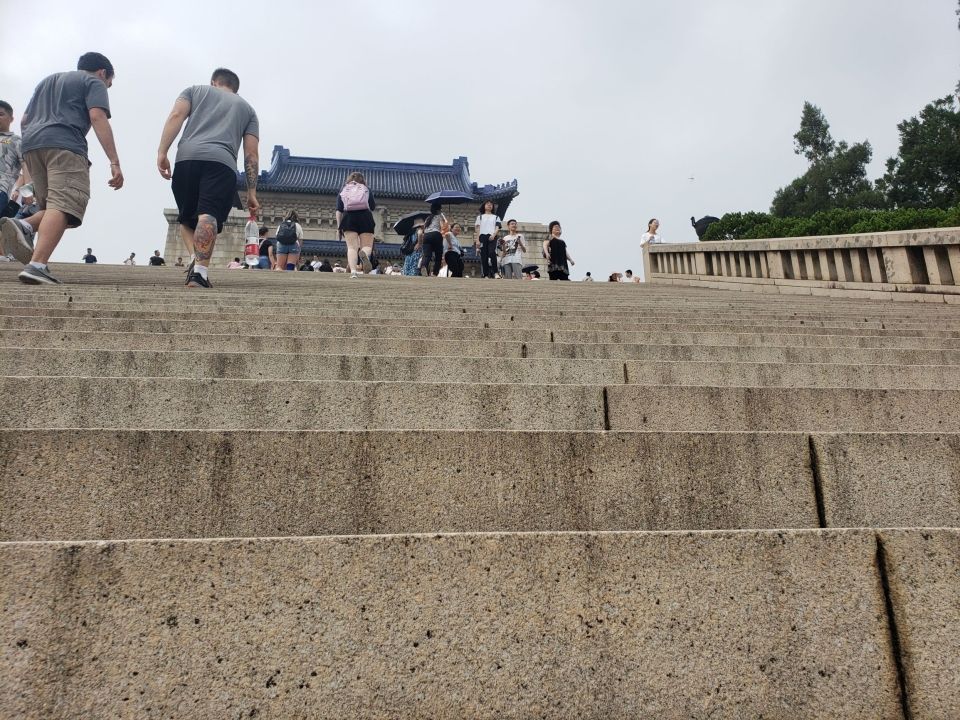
<point x="355" y="206"/>
<point x="555" y="251"/>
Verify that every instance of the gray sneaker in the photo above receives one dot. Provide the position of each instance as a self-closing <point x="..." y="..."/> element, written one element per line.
<point x="364" y="261"/>
<point x="15" y="240"/>
<point x="36" y="276"/>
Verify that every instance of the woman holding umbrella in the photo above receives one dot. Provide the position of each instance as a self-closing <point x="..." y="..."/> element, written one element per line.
<point x="355" y="204"/>
<point x="555" y="251"/>
<point x="433" y="239"/>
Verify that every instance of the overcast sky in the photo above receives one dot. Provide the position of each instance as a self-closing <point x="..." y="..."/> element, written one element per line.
<point x="607" y="113"/>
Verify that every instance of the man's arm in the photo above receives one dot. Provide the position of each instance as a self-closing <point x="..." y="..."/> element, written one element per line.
<point x="101" y="126"/>
<point x="171" y="128"/>
<point x="251" y="168"/>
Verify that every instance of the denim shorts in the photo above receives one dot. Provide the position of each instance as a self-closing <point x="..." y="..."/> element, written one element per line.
<point x="285" y="249"/>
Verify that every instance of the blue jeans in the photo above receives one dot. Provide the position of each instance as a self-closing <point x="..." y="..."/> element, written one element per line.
<point x="264" y="263"/>
<point x="4" y="210"/>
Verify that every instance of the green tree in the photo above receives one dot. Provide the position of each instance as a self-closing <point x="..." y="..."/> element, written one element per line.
<point x="836" y="178"/>
<point x="813" y="139"/>
<point x="926" y="171"/>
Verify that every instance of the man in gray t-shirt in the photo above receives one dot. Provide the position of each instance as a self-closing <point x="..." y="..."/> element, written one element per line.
<point x="55" y="124"/>
<point x="204" y="177"/>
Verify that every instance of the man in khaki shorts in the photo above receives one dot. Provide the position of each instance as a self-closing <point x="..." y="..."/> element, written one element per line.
<point x="55" y="124"/>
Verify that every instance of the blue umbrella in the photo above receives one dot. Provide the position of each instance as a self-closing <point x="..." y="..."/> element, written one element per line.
<point x="450" y="197"/>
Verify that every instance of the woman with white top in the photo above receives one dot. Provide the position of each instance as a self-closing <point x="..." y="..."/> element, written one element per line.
<point x="651" y="235"/>
<point x="289" y="242"/>
<point x="485" y="239"/>
<point x="513" y="249"/>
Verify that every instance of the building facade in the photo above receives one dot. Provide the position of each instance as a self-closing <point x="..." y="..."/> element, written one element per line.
<point x="311" y="185"/>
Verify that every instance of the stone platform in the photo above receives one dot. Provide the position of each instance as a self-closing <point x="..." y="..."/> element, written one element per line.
<point x="300" y="495"/>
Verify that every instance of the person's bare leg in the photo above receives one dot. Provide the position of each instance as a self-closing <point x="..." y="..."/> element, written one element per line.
<point x="49" y="233"/>
<point x="186" y="234"/>
<point x="204" y="238"/>
<point x="353" y="245"/>
<point x="281" y="264"/>
<point x="366" y="243"/>
<point x="35" y="219"/>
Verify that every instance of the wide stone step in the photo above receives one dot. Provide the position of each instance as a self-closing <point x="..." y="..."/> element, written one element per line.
<point x="480" y="348"/>
<point x="107" y="484"/>
<point x="172" y="403"/>
<point x="133" y="321"/>
<point x="533" y="371"/>
<point x="258" y="326"/>
<point x="827" y="623"/>
<point x="532" y="315"/>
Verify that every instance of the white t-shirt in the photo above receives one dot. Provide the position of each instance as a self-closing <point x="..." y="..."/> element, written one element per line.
<point x="650" y="238"/>
<point x="512" y="252"/>
<point x="487" y="224"/>
<point x="129" y="261"/>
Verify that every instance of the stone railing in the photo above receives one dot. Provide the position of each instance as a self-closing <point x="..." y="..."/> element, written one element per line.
<point x="915" y="264"/>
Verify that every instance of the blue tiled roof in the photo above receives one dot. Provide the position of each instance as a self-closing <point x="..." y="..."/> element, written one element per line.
<point x="325" y="176"/>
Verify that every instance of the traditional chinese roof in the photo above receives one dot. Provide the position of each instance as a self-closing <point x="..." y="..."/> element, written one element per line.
<point x="383" y="250"/>
<point x="408" y="181"/>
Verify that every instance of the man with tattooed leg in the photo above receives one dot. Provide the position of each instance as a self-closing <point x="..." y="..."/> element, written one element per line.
<point x="204" y="177"/>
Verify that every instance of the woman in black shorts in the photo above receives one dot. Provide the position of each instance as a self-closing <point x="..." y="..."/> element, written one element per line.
<point x="433" y="239"/>
<point x="356" y="222"/>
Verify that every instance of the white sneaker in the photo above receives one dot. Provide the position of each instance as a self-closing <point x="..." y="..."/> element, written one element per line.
<point x="354" y="275"/>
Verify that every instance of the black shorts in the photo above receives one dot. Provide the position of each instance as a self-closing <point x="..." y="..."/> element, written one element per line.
<point x="358" y="221"/>
<point x="203" y="187"/>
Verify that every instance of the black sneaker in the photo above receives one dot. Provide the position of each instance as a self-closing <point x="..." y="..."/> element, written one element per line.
<point x="197" y="280"/>
<point x="189" y="272"/>
<point x="32" y="275"/>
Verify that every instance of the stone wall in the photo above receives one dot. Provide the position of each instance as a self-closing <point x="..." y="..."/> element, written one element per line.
<point x="914" y="264"/>
<point x="318" y="219"/>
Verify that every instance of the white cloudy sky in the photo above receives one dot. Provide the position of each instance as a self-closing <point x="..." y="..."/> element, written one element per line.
<point x="602" y="110"/>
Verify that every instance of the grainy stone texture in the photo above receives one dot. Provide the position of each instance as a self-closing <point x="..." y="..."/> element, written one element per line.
<point x="103" y="484"/>
<point x="923" y="570"/>
<point x="634" y="407"/>
<point x="158" y="403"/>
<point x="682" y="625"/>
<point x="890" y="480"/>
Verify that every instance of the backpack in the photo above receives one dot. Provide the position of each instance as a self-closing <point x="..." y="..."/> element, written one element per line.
<point x="287" y="232"/>
<point x="355" y="196"/>
<point x="408" y="244"/>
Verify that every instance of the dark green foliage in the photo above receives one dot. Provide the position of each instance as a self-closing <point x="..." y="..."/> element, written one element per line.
<point x="926" y="171"/>
<point x="836" y="178"/>
<point x="839" y="221"/>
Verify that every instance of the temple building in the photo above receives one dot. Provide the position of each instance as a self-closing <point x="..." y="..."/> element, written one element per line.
<point x="311" y="185"/>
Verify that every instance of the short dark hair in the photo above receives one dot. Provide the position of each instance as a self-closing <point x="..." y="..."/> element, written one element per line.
<point x="4" y="105"/>
<point x="264" y="230"/>
<point x="93" y="61"/>
<point x="552" y="225"/>
<point x="510" y="221"/>
<point x="222" y="76"/>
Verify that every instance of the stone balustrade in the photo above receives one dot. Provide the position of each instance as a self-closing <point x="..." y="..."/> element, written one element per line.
<point x="919" y="265"/>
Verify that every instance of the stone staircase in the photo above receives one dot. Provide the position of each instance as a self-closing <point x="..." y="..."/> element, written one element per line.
<point x="301" y="496"/>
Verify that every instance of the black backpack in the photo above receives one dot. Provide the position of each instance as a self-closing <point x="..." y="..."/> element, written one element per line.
<point x="287" y="232"/>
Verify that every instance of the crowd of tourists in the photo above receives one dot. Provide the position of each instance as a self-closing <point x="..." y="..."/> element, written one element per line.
<point x="45" y="188"/>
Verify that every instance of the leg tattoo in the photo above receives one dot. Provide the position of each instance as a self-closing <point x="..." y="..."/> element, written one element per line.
<point x="204" y="238"/>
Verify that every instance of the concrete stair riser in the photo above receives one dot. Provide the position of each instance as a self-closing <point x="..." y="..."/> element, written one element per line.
<point x="569" y="625"/>
<point x="170" y="403"/>
<point x="531" y="371"/>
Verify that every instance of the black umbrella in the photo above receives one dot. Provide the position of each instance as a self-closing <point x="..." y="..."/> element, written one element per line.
<point x="450" y="197"/>
<point x="407" y="223"/>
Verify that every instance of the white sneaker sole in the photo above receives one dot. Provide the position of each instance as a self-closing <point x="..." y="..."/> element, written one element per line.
<point x="14" y="241"/>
